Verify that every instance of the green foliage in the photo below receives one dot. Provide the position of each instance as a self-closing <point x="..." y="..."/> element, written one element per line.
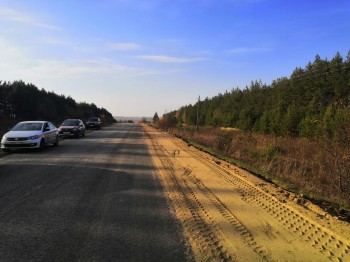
<point x="311" y="103"/>
<point x="290" y="121"/>
<point x="224" y="140"/>
<point x="167" y="121"/>
<point x="269" y="152"/>
<point x="20" y="101"/>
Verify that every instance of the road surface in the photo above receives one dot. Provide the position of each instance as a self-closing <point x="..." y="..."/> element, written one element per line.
<point x="96" y="198"/>
<point x="133" y="193"/>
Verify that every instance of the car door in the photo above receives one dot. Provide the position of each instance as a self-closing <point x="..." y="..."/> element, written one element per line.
<point x="81" y="127"/>
<point x="46" y="133"/>
<point x="53" y="132"/>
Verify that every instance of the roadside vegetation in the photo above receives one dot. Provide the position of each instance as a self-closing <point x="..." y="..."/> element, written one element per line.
<point x="294" y="132"/>
<point x="317" y="170"/>
<point x="20" y="101"/>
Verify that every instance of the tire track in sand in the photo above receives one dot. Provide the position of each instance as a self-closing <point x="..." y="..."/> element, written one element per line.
<point x="333" y="246"/>
<point x="205" y="244"/>
<point x="205" y="231"/>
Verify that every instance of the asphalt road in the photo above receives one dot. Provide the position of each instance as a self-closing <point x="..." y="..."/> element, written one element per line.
<point x="95" y="198"/>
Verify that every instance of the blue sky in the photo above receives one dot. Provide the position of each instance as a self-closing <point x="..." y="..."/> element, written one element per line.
<point x="138" y="57"/>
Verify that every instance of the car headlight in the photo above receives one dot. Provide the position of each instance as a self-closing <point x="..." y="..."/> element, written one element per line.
<point x="33" y="137"/>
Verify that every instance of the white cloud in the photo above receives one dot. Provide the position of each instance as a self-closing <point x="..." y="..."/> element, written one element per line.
<point x="12" y="57"/>
<point x="79" y="68"/>
<point x="13" y="15"/>
<point x="123" y="46"/>
<point x="245" y="50"/>
<point x="18" y="63"/>
<point x="169" y="59"/>
<point x="53" y="41"/>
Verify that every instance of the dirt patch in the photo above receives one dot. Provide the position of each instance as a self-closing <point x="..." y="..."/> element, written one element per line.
<point x="229" y="214"/>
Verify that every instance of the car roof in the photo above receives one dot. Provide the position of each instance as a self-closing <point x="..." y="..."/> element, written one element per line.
<point x="36" y="122"/>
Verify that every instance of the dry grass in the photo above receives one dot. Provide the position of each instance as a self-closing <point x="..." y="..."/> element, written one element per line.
<point x="316" y="169"/>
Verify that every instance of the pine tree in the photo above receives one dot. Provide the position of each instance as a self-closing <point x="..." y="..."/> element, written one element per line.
<point x="155" y="118"/>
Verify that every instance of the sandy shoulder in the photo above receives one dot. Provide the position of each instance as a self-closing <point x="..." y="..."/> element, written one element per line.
<point x="227" y="213"/>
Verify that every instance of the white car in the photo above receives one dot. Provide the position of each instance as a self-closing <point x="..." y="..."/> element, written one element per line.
<point x="30" y="134"/>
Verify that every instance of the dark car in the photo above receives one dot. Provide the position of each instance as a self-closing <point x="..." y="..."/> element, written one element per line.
<point x="93" y="122"/>
<point x="72" y="127"/>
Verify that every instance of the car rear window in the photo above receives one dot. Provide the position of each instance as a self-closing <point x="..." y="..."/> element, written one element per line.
<point x="70" y="122"/>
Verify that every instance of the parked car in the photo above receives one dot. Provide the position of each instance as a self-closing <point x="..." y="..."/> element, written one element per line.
<point x="93" y="122"/>
<point x="30" y="134"/>
<point x="72" y="127"/>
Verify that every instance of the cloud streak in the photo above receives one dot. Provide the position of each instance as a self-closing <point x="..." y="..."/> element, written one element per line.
<point x="247" y="50"/>
<point x="13" y="15"/>
<point x="81" y="68"/>
<point x="169" y="59"/>
<point x="124" y="46"/>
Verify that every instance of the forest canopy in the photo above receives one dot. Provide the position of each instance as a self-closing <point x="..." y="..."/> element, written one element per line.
<point x="20" y="101"/>
<point x="314" y="101"/>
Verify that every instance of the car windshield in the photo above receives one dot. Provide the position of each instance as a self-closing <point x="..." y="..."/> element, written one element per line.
<point x="70" y="122"/>
<point x="27" y="127"/>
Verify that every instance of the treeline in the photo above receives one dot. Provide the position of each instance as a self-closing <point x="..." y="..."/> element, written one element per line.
<point x="20" y="101"/>
<point x="313" y="102"/>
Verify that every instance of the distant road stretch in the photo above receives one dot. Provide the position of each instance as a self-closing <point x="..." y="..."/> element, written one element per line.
<point x="95" y="198"/>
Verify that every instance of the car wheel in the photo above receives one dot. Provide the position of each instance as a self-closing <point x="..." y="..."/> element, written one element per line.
<point x="6" y="150"/>
<point x="56" y="141"/>
<point x="42" y="144"/>
<point x="83" y="134"/>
